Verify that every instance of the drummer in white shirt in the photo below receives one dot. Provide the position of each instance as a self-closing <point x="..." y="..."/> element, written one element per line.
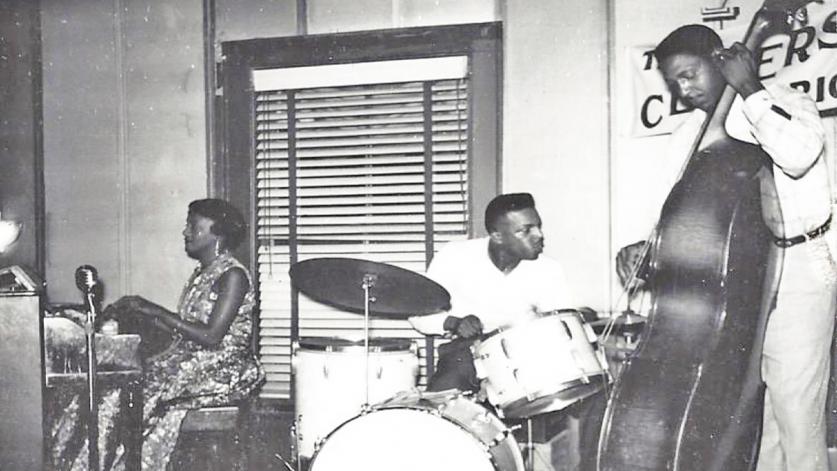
<point x="495" y="281"/>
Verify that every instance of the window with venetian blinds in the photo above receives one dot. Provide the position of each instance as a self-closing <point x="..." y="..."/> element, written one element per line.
<point x="371" y="170"/>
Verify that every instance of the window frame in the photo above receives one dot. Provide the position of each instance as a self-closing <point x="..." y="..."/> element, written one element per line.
<point x="231" y="170"/>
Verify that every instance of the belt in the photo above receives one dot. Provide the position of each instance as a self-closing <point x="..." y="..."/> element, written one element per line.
<point x="785" y="243"/>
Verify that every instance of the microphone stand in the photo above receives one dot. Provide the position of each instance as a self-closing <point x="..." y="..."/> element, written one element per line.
<point x="92" y="403"/>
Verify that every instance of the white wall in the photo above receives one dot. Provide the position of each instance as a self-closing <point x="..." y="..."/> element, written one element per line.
<point x="124" y="142"/>
<point x="555" y="133"/>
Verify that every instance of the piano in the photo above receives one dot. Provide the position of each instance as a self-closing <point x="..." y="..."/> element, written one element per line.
<point x="42" y="359"/>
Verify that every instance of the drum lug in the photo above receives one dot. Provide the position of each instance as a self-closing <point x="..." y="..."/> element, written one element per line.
<point x="591" y="334"/>
<point x="294" y="440"/>
<point x="318" y="444"/>
<point x="485" y="417"/>
<point x="566" y="331"/>
<point x="498" y="439"/>
<point x="295" y="437"/>
<point x="294" y="359"/>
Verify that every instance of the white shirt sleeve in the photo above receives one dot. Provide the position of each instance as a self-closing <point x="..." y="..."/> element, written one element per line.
<point x="438" y="271"/>
<point x="785" y="122"/>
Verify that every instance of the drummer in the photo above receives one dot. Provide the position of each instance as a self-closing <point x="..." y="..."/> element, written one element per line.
<point x="494" y="281"/>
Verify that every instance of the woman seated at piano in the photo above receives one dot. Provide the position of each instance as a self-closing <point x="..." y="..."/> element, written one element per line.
<point x="210" y="360"/>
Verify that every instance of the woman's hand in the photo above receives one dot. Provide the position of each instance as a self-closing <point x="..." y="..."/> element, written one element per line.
<point x="129" y="303"/>
<point x="134" y="305"/>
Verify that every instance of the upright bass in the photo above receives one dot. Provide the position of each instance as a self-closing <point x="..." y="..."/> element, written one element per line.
<point x="691" y="395"/>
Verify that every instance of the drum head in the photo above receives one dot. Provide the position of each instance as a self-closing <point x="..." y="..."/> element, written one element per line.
<point x="405" y="440"/>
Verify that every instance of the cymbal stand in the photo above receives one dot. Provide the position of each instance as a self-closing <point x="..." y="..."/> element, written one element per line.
<point x="369" y="281"/>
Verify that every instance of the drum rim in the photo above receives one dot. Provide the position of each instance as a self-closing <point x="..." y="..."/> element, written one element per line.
<point x="338" y="344"/>
<point x="512" y="325"/>
<point x="597" y="382"/>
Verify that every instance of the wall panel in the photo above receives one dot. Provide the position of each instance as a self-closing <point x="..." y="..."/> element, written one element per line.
<point x="81" y="158"/>
<point x="21" y="191"/>
<point x="555" y="131"/>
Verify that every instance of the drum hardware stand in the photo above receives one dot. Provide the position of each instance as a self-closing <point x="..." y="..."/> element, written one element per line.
<point x="530" y="446"/>
<point x="369" y="281"/>
<point x="284" y="462"/>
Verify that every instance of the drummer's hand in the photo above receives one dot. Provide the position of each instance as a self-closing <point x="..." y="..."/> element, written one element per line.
<point x="469" y="327"/>
<point x="626" y="261"/>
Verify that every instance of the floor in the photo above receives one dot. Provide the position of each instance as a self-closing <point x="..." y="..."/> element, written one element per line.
<point x="263" y="445"/>
<point x="268" y="445"/>
<point x="266" y="438"/>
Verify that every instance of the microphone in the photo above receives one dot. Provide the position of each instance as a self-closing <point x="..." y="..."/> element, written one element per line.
<point x="87" y="278"/>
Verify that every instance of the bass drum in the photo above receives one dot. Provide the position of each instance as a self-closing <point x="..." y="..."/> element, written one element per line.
<point x="416" y="431"/>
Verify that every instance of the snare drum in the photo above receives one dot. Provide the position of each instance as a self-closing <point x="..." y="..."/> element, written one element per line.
<point x="329" y="387"/>
<point x="442" y="431"/>
<point x="540" y="365"/>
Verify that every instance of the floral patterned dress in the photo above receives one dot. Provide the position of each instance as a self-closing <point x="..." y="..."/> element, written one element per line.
<point x="185" y="376"/>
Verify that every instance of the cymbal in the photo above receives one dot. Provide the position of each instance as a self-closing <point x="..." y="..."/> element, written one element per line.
<point x="394" y="292"/>
<point x="625" y="322"/>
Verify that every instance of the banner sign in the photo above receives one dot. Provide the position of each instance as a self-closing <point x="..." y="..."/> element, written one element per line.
<point x="805" y="59"/>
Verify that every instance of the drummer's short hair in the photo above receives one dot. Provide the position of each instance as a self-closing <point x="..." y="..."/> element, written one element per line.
<point x="502" y="204"/>
<point x="697" y="40"/>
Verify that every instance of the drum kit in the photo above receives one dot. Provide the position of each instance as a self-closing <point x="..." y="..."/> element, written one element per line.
<point x="384" y="422"/>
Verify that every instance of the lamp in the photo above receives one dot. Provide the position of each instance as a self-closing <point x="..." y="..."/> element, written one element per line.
<point x="9" y="232"/>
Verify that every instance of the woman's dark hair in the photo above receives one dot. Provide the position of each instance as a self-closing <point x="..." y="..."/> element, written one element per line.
<point x="502" y="204"/>
<point x="697" y="40"/>
<point x="228" y="222"/>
